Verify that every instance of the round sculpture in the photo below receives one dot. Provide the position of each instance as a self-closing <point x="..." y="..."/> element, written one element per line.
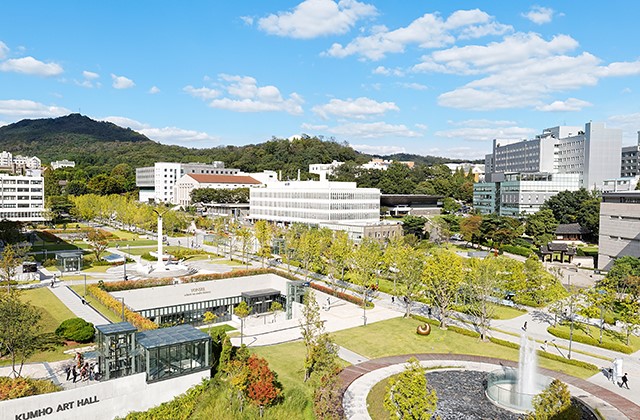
<point x="424" y="329"/>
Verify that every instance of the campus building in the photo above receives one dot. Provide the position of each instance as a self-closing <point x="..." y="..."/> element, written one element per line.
<point x="64" y="163"/>
<point x="157" y="182"/>
<point x="22" y="196"/>
<point x="558" y="157"/>
<point x="185" y="185"/>
<point x="630" y="164"/>
<point x="619" y="233"/>
<point x="17" y="163"/>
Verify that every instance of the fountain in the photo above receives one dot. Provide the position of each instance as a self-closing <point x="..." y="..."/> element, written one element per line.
<point x="514" y="389"/>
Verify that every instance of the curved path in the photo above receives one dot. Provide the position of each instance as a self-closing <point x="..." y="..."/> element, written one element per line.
<point x="358" y="379"/>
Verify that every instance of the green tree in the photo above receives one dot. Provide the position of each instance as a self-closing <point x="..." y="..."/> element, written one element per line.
<point x="242" y="311"/>
<point x="264" y="235"/>
<point x="483" y="279"/>
<point x="408" y="395"/>
<point x="470" y="228"/>
<point x="629" y="315"/>
<point x="275" y="308"/>
<point x="367" y="262"/>
<point x="414" y="225"/>
<point x="311" y="328"/>
<point x="622" y="273"/>
<point x="20" y="330"/>
<point x="442" y="276"/>
<point x="409" y="265"/>
<point x="11" y="232"/>
<point x="339" y="253"/>
<point x="98" y="242"/>
<point x="552" y="401"/>
<point x="596" y="302"/>
<point x="541" y="226"/>
<point x="12" y="257"/>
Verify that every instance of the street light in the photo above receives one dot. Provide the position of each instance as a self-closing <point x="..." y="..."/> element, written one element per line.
<point x="85" y="285"/>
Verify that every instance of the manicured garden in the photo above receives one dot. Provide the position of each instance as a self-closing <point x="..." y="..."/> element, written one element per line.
<point x="589" y="334"/>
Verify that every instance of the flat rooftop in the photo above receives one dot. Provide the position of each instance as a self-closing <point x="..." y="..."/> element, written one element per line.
<point x="170" y="336"/>
<point x="185" y="293"/>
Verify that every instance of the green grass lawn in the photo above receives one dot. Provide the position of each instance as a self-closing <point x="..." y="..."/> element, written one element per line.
<point x="53" y="313"/>
<point x="79" y="289"/>
<point x="499" y="311"/>
<point x="589" y="332"/>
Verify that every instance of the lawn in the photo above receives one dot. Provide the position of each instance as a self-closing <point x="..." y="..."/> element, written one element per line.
<point x="398" y="336"/>
<point x="53" y="313"/>
<point x="499" y="311"/>
<point x="588" y="333"/>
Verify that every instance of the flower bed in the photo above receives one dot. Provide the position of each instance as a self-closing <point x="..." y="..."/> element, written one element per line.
<point x="137" y="320"/>
<point x="345" y="296"/>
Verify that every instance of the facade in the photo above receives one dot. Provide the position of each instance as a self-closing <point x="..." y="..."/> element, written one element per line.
<point x="314" y="202"/>
<point x="620" y="184"/>
<point x="57" y="164"/>
<point x="17" y="162"/>
<point x="22" y="197"/>
<point x="189" y="182"/>
<point x="324" y="169"/>
<point x="383" y="164"/>
<point x="474" y="168"/>
<point x="521" y="193"/>
<point x="412" y="204"/>
<point x="157" y="182"/>
<point x="380" y="231"/>
<point x="619" y="233"/>
<point x="629" y="165"/>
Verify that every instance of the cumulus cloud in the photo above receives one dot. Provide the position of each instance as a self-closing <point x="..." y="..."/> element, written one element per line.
<point x="571" y="104"/>
<point x="23" y="108"/>
<point x="315" y="18"/>
<point x="629" y="123"/>
<point x="165" y="135"/>
<point x="245" y="95"/>
<point x="360" y="108"/>
<point x="427" y="32"/>
<point x="373" y="130"/>
<point x="378" y="149"/>
<point x="31" y="66"/>
<point x="90" y="75"/>
<point x="385" y="71"/>
<point x="462" y="153"/>
<point x="413" y="86"/>
<point x="89" y="80"/>
<point x="4" y="50"/>
<point x="154" y="89"/>
<point x="484" y="131"/>
<point x="522" y="70"/>
<point x="121" y="82"/>
<point x="539" y="15"/>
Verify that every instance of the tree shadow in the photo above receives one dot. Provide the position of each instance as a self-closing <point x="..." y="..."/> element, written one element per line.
<point x="544" y="317"/>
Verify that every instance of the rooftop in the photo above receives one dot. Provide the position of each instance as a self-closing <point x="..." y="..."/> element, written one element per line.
<point x="120" y="327"/>
<point x="170" y="336"/>
<point x="223" y="179"/>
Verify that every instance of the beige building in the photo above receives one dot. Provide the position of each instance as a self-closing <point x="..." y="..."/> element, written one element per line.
<point x="619" y="227"/>
<point x="189" y="182"/>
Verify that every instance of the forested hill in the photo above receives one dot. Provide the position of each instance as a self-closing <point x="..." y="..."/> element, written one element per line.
<point x="99" y="146"/>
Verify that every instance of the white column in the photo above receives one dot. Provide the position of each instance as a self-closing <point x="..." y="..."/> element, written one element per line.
<point x="160" y="263"/>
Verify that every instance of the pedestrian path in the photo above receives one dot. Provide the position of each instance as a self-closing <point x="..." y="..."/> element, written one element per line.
<point x="350" y="356"/>
<point x="75" y="305"/>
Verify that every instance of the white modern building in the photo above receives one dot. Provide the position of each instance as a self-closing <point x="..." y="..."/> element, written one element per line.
<point x="157" y="182"/>
<point x="185" y="185"/>
<point x="619" y="233"/>
<point x="64" y="163"/>
<point x="22" y="197"/>
<point x="8" y="160"/>
<point x="324" y="169"/>
<point x="592" y="154"/>
<point x="476" y="169"/>
<point x="314" y="202"/>
<point x="630" y="164"/>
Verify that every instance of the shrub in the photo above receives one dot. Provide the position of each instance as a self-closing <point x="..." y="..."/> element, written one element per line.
<point x="518" y="250"/>
<point x="181" y="407"/>
<point x="623" y="348"/>
<point x="49" y="262"/>
<point x="344" y="296"/>
<point x="11" y="388"/>
<point x="573" y="362"/>
<point x="426" y="320"/>
<point x="463" y="331"/>
<point x="76" y="329"/>
<point x="115" y="305"/>
<point x="505" y="343"/>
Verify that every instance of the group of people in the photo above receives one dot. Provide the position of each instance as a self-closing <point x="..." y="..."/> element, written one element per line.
<point x="81" y="369"/>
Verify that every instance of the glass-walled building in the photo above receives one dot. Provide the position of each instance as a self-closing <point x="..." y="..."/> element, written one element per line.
<point x="116" y="346"/>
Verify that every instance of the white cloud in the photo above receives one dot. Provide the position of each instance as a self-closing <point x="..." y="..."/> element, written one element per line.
<point x="29" y="65"/>
<point x="121" y="82"/>
<point x="244" y="95"/>
<point x="202" y="93"/>
<point x="360" y="108"/>
<point x="428" y="31"/>
<point x="385" y="71"/>
<point x="378" y="150"/>
<point x="539" y="15"/>
<point x="314" y="127"/>
<point x="89" y="80"/>
<point x="4" y="50"/>
<point x="248" y="20"/>
<point x="154" y="89"/>
<point x="23" y="108"/>
<point x="165" y="135"/>
<point x="462" y="153"/>
<point x="413" y="86"/>
<point x="523" y="70"/>
<point x="89" y="75"/>
<point x="629" y="123"/>
<point x="571" y="104"/>
<point x="373" y="130"/>
<point x="314" y="18"/>
<point x="484" y="131"/>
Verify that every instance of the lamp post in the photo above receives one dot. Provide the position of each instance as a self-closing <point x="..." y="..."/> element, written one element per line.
<point x="85" y="285"/>
<point x="160" y="263"/>
<point x="570" y="319"/>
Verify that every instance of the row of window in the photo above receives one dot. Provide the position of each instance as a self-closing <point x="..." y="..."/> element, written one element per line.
<point x="324" y="195"/>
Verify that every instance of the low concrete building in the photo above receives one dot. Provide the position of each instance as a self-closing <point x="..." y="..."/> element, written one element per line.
<point x="185" y="185"/>
<point x="619" y="227"/>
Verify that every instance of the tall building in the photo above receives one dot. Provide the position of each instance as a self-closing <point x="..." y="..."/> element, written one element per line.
<point x="591" y="155"/>
<point x="18" y="162"/>
<point x="157" y="182"/>
<point x="22" y="196"/>
<point x="619" y="233"/>
<point x="629" y="164"/>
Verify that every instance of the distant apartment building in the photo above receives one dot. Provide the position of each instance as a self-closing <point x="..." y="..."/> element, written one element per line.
<point x="57" y="164"/>
<point x="18" y="163"/>
<point x="324" y="169"/>
<point x="619" y="233"/>
<point x="630" y="165"/>
<point x="189" y="182"/>
<point x="383" y="164"/>
<point x="22" y="196"/>
<point x="157" y="182"/>
<point x="591" y="155"/>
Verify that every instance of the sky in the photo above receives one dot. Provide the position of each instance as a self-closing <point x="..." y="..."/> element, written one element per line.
<point x="437" y="77"/>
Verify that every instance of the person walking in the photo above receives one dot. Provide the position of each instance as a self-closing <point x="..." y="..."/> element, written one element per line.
<point x="67" y="370"/>
<point x="625" y="381"/>
<point x="393" y="300"/>
<point x="524" y="327"/>
<point x="544" y="346"/>
<point x="74" y="372"/>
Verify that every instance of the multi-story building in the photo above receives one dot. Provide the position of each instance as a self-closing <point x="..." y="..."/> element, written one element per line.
<point x="22" y="196"/>
<point x="64" y="163"/>
<point x="185" y="185"/>
<point x="156" y="183"/>
<point x="17" y="162"/>
<point x="592" y="154"/>
<point x="314" y="202"/>
<point x="630" y="163"/>
<point x="619" y="233"/>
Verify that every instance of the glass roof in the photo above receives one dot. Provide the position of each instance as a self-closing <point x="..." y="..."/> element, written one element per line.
<point x="120" y="327"/>
<point x="169" y="336"/>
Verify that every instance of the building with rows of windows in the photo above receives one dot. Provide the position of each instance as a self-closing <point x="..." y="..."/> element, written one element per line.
<point x="619" y="233"/>
<point x="22" y="196"/>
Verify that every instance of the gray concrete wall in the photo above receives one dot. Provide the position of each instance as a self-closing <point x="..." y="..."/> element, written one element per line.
<point x="100" y="401"/>
<point x="619" y="232"/>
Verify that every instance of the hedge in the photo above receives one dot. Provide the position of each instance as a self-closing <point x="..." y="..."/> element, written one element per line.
<point x="344" y="296"/>
<point x="518" y="250"/>
<point x="463" y="331"/>
<point x="623" y="348"/>
<point x="573" y="362"/>
<point x="11" y="388"/>
<point x="504" y="343"/>
<point x="76" y="329"/>
<point x="426" y="320"/>
<point x="137" y="320"/>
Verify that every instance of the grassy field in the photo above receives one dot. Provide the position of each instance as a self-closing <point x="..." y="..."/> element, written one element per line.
<point x="53" y="313"/>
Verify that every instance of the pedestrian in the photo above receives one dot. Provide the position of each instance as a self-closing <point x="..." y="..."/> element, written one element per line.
<point x="429" y="311"/>
<point x="544" y="346"/>
<point x="67" y="370"/>
<point x="52" y="283"/>
<point x="524" y="327"/>
<point x="74" y="372"/>
<point x="625" y="381"/>
<point x="393" y="299"/>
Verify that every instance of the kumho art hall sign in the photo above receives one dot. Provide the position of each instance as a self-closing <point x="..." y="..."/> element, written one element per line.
<point x="46" y="411"/>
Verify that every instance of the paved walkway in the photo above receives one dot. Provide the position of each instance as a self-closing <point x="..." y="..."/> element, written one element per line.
<point x="350" y="356"/>
<point x="358" y="380"/>
<point x="74" y="303"/>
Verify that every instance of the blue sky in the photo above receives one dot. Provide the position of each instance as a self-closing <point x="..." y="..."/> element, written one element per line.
<point x="434" y="77"/>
